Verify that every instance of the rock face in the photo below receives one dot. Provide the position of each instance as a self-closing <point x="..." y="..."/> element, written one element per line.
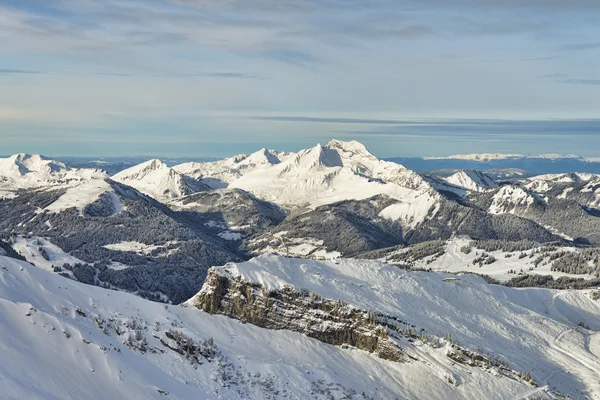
<point x="329" y="321"/>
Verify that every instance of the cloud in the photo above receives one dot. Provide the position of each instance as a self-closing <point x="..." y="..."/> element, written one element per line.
<point x="327" y="120"/>
<point x="580" y="46"/>
<point x="460" y="128"/>
<point x="122" y="74"/>
<point x="551" y="76"/>
<point x="583" y="81"/>
<point x="233" y="75"/>
<point x="502" y="129"/>
<point x="17" y="71"/>
<point x="291" y="56"/>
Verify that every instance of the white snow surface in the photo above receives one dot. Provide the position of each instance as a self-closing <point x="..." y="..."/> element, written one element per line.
<point x="533" y="329"/>
<point x="483" y="157"/>
<point x="472" y="180"/>
<point x="218" y="174"/>
<point x="83" y="194"/>
<point x="30" y="249"/>
<point x="155" y="179"/>
<point x="26" y="171"/>
<point x="454" y="260"/>
<point x="230" y="235"/>
<point x="142" y="248"/>
<point x="509" y="198"/>
<point x="48" y="331"/>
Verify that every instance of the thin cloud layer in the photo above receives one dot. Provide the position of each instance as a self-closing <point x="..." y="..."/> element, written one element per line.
<point x="260" y="70"/>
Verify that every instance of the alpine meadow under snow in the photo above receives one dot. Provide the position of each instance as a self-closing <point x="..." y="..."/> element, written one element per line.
<point x="326" y="273"/>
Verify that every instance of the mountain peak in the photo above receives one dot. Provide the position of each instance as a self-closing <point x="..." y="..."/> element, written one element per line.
<point x="153" y="164"/>
<point x="141" y="170"/>
<point x="262" y="156"/>
<point x="27" y="163"/>
<point x="352" y="146"/>
<point x="471" y="179"/>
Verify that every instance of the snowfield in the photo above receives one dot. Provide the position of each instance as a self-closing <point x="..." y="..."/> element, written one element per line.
<point x="86" y="193"/>
<point x="66" y="340"/>
<point x="506" y="266"/>
<point x="471" y="180"/>
<point x="141" y="248"/>
<point x="43" y="254"/>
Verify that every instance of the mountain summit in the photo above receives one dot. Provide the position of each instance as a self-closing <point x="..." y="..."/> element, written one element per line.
<point x="157" y="180"/>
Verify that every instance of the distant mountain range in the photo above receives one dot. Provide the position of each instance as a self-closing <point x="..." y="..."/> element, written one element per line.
<point x="496" y="164"/>
<point x="502" y="164"/>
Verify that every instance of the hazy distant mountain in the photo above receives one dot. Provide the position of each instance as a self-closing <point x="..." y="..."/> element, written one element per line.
<point x="533" y="164"/>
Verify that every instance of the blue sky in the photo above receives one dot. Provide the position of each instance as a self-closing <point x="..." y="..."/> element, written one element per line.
<point x="214" y="78"/>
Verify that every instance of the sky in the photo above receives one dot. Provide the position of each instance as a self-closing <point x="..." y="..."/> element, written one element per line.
<point x="214" y="78"/>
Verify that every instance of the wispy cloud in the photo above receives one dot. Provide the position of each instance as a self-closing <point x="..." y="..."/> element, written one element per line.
<point x="581" y="46"/>
<point x="233" y="75"/>
<point x="453" y="127"/>
<point x="552" y="76"/>
<point x="299" y="67"/>
<point x="17" y="71"/>
<point x="583" y="81"/>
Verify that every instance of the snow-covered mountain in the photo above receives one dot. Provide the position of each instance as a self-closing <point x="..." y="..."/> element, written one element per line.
<point x="341" y="171"/>
<point x="159" y="181"/>
<point x="24" y="171"/>
<point x="485" y="157"/>
<point x="567" y="204"/>
<point x="218" y="174"/>
<point x="531" y="330"/>
<point x="529" y="164"/>
<point x="472" y="180"/>
<point x="67" y="340"/>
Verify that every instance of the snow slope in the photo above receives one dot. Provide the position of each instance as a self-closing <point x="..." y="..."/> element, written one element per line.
<point x="507" y="265"/>
<point x="533" y="329"/>
<point x="43" y="254"/>
<point x="510" y="197"/>
<point x="66" y="340"/>
<point x="157" y="180"/>
<point x="85" y="193"/>
<point x="471" y="180"/>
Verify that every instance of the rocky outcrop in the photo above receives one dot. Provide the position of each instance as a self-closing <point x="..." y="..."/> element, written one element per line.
<point x="329" y="321"/>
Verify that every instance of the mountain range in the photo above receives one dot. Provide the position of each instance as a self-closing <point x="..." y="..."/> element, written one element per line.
<point x="330" y="235"/>
<point x="505" y="165"/>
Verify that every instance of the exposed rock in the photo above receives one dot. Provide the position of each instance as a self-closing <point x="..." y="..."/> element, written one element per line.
<point x="330" y="321"/>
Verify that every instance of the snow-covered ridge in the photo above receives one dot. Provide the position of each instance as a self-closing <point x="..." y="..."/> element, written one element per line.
<point x="72" y="341"/>
<point x="218" y="174"/>
<point x="509" y="198"/>
<point x="157" y="180"/>
<point x="471" y="180"/>
<point x="533" y="329"/>
<point x="24" y="171"/>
